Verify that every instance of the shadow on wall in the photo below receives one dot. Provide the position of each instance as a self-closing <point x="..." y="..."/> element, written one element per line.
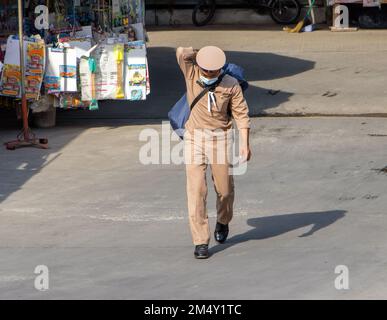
<point x="167" y="85"/>
<point x="273" y="226"/>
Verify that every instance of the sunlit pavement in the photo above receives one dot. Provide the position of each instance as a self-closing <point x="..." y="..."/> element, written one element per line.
<point x="107" y="226"/>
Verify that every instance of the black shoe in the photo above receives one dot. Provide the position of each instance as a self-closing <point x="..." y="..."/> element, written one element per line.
<point x="221" y="232"/>
<point x="201" y="251"/>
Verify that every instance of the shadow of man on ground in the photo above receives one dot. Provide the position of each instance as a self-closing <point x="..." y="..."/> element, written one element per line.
<point x="269" y="227"/>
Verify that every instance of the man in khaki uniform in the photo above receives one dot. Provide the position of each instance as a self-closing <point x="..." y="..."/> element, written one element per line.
<point x="208" y="140"/>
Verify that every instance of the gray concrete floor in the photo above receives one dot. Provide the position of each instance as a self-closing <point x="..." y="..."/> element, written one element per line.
<point x="107" y="226"/>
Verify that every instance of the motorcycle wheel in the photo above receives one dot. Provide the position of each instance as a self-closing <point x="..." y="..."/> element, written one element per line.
<point x="203" y="12"/>
<point x="285" y="11"/>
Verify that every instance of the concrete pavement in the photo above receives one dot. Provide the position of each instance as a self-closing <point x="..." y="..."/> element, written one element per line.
<point x="108" y="227"/>
<point x="314" y="73"/>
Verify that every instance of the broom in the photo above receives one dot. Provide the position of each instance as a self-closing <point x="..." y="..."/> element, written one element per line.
<point x="301" y="23"/>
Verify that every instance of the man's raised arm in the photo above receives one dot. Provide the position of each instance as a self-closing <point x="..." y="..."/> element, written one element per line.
<point x="186" y="60"/>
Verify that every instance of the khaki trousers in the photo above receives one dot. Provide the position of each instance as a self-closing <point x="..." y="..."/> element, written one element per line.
<point x="206" y="147"/>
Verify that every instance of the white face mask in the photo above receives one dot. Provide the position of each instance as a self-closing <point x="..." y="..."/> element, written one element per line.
<point x="207" y="81"/>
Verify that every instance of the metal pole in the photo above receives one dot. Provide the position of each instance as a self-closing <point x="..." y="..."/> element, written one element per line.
<point x="312" y="12"/>
<point x="46" y="31"/>
<point x="22" y="72"/>
<point x="26" y="137"/>
<point x="21" y="44"/>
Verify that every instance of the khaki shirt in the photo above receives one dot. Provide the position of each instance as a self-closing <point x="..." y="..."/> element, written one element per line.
<point x="228" y="95"/>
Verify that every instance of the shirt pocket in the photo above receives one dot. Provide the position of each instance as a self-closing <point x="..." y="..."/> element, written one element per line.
<point x="222" y="102"/>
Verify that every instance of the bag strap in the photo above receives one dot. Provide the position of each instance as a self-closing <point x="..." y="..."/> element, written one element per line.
<point x="206" y="89"/>
<point x="201" y="95"/>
